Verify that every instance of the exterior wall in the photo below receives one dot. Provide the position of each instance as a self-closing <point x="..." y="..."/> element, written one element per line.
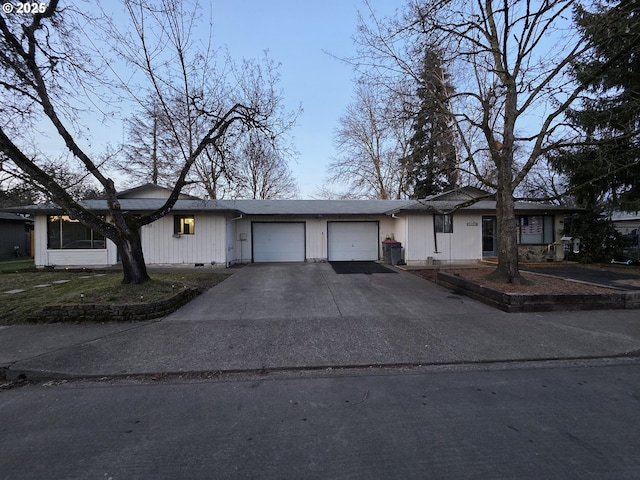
<point x="222" y="241"/>
<point x="77" y="258"/>
<point x="231" y="257"/>
<point x="464" y="245"/>
<point x="315" y="234"/>
<point x="12" y="234"/>
<point x="43" y="257"/>
<point x="207" y="245"/>
<point x="548" y="252"/>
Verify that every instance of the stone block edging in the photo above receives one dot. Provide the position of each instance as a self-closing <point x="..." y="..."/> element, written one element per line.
<point x="80" y="313"/>
<point x="524" y="302"/>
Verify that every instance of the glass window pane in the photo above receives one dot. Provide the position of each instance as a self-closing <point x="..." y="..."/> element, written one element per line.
<point x="53" y="232"/>
<point x="65" y="233"/>
<point x="531" y="230"/>
<point x="183" y="225"/>
<point x="75" y="234"/>
<point x="443" y="223"/>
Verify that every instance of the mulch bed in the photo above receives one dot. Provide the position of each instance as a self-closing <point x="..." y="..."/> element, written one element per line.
<point x="541" y="284"/>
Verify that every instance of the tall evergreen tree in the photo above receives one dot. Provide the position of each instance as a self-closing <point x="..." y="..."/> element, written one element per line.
<point x="432" y="160"/>
<point x="605" y="169"/>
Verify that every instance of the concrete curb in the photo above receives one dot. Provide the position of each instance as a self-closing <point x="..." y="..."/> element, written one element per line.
<point x="40" y="376"/>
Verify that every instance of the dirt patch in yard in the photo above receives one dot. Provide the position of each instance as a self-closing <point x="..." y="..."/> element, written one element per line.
<point x="541" y="284"/>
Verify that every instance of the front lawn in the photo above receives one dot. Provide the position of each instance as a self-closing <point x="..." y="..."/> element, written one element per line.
<point x="42" y="288"/>
<point x="16" y="265"/>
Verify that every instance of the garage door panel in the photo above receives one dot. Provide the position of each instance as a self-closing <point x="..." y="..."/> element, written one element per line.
<point x="353" y="241"/>
<point x="278" y="242"/>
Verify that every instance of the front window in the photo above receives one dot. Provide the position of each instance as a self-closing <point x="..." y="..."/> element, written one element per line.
<point x="443" y="223"/>
<point x="184" y="225"/>
<point x="68" y="234"/>
<point x="535" y="229"/>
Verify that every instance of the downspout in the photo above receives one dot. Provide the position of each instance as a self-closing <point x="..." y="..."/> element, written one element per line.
<point x="435" y="235"/>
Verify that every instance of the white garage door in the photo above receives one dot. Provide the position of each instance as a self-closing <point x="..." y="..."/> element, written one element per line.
<point x="278" y="242"/>
<point x="352" y="241"/>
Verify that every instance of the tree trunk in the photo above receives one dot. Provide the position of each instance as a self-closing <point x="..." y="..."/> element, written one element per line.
<point x="508" y="270"/>
<point x="507" y="237"/>
<point x="133" y="266"/>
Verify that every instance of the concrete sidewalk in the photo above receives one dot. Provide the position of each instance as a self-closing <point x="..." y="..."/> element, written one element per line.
<point x="305" y="316"/>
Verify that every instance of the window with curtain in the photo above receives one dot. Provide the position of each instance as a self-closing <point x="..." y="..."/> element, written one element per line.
<point x="535" y="229"/>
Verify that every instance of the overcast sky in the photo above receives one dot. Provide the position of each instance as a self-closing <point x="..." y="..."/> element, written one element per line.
<point x="297" y="33"/>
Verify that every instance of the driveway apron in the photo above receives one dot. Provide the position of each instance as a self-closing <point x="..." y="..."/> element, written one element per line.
<point x="314" y="290"/>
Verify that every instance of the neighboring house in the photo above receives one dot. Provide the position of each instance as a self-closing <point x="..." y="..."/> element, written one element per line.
<point x="628" y="224"/>
<point x="15" y="235"/>
<point x="225" y="232"/>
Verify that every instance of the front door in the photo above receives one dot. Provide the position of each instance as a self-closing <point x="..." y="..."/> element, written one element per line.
<point x="489" y="237"/>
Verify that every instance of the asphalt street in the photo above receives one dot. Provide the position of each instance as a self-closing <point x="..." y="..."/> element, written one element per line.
<point x="295" y="371"/>
<point x="567" y="421"/>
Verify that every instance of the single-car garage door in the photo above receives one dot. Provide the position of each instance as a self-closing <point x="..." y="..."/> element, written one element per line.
<point x="278" y="242"/>
<point x="352" y="241"/>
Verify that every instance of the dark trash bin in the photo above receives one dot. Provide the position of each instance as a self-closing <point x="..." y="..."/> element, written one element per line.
<point x="392" y="252"/>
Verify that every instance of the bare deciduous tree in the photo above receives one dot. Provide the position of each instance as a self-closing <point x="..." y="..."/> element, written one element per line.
<point x="371" y="140"/>
<point x="509" y="64"/>
<point x="261" y="172"/>
<point x="54" y="62"/>
<point x="221" y="169"/>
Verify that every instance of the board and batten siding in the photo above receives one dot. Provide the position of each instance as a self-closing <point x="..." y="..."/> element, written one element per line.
<point x="463" y="245"/>
<point x="206" y="245"/>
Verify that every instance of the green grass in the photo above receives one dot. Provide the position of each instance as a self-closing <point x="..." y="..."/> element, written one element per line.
<point x="16" y="265"/>
<point x="95" y="287"/>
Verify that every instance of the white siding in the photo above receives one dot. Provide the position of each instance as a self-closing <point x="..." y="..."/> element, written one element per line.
<point x="461" y="246"/>
<point x="230" y="244"/>
<point x="394" y="228"/>
<point x="419" y="245"/>
<point x="40" y="241"/>
<point x="80" y="257"/>
<point x="207" y="245"/>
<point x="224" y="241"/>
<point x="241" y="247"/>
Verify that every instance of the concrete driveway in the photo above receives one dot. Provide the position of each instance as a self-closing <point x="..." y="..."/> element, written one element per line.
<point x="305" y="316"/>
<point x="314" y="290"/>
